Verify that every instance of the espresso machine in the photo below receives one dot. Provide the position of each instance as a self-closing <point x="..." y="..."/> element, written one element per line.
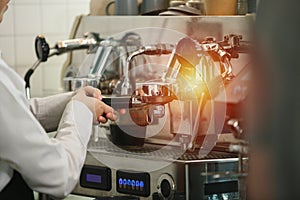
<point x="177" y="88"/>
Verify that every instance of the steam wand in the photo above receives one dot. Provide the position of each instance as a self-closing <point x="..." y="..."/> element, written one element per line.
<point x="27" y="77"/>
<point x="42" y="52"/>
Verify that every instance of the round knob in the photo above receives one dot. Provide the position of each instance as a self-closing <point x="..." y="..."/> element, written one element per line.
<point x="166" y="187"/>
<point x="41" y="48"/>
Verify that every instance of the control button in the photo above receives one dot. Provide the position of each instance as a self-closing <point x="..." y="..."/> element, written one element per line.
<point x="133" y="183"/>
<point x="141" y="185"/>
<point x="165" y="188"/>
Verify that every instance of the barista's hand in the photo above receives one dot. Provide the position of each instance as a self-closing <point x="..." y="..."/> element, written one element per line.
<point x="91" y="97"/>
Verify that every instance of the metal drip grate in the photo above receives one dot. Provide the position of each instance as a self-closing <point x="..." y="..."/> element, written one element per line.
<point x="157" y="152"/>
<point x="210" y="155"/>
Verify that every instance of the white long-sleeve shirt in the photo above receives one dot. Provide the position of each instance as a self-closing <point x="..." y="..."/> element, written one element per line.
<point x="48" y="165"/>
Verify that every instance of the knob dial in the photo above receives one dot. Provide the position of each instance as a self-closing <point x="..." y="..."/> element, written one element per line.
<point x="41" y="48"/>
<point x="166" y="187"/>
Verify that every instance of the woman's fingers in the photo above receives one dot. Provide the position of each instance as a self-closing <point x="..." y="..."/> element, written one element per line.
<point x="107" y="112"/>
<point x="93" y="99"/>
<point x="93" y="92"/>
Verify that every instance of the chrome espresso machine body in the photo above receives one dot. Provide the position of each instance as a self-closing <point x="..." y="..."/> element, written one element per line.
<point x="173" y="82"/>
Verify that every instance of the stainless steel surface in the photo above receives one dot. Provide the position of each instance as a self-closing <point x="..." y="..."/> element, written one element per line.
<point x="72" y="84"/>
<point x="65" y="45"/>
<point x="153" y="7"/>
<point x="189" y="168"/>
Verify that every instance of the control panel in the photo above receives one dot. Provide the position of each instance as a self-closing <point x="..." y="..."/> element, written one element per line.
<point x="133" y="182"/>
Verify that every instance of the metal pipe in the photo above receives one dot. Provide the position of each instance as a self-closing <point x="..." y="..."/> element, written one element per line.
<point x="187" y="182"/>
<point x="27" y="77"/>
<point x="157" y="49"/>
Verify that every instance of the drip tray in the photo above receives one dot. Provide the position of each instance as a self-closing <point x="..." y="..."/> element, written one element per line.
<point x="156" y="152"/>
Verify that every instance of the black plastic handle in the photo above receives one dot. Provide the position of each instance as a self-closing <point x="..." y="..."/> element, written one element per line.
<point x="41" y="48"/>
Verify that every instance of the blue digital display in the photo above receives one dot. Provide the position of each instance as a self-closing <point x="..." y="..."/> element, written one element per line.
<point x="93" y="178"/>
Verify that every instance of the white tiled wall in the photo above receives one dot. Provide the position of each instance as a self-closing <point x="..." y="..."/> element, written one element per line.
<point x="23" y="21"/>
